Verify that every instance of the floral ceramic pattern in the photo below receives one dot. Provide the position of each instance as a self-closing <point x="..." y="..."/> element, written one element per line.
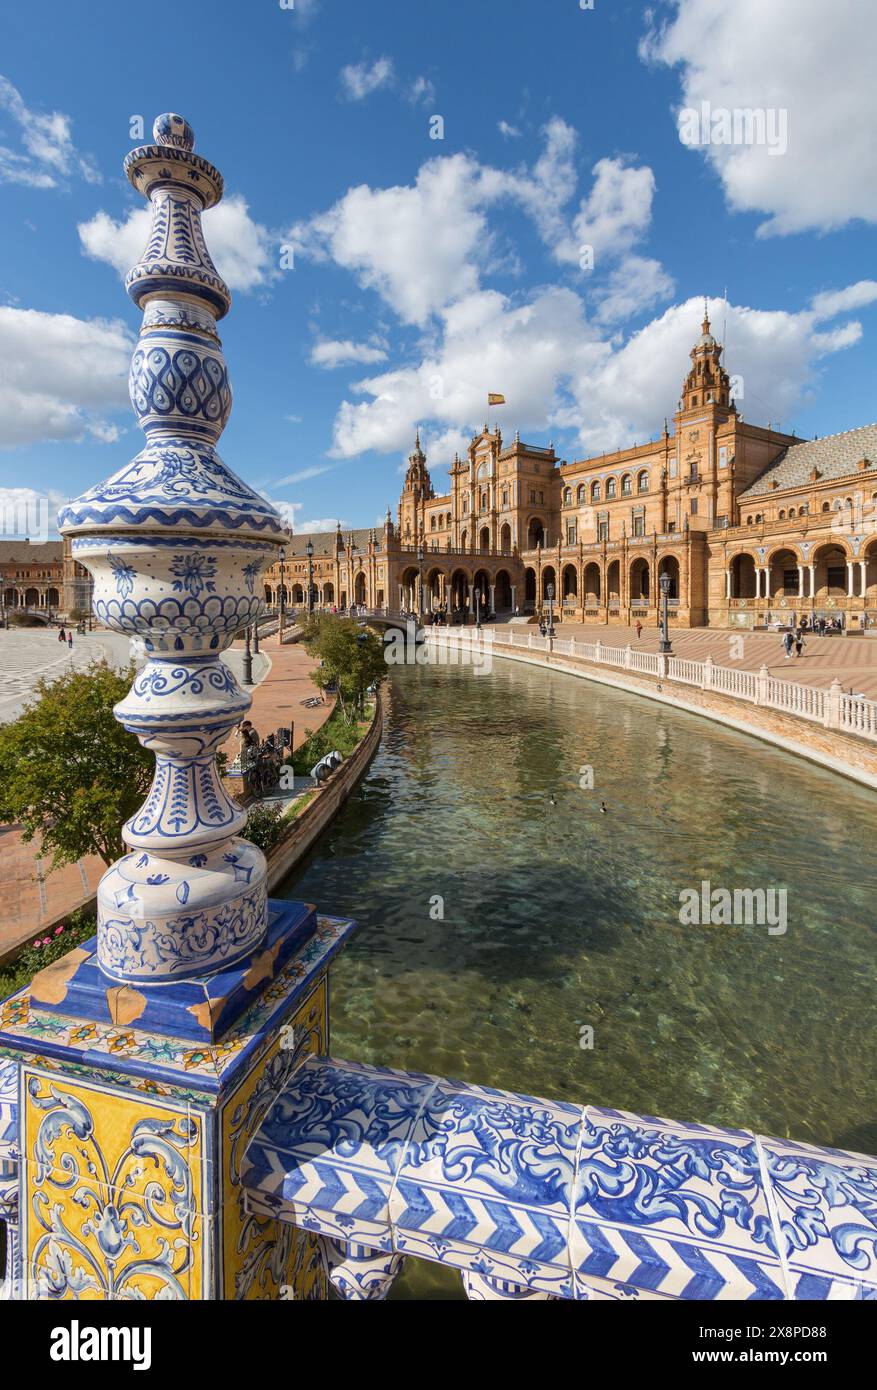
<point x="527" y="1197"/>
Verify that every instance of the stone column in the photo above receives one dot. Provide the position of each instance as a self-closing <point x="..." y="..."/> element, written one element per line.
<point x="176" y="1025"/>
<point x="812" y="569"/>
<point x="727" y="585"/>
<point x="850" y="580"/>
<point x="801" y="585"/>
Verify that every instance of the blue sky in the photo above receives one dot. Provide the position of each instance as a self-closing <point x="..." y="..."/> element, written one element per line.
<point x="429" y="271"/>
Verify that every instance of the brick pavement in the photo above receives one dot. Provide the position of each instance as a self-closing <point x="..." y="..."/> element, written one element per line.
<point x="31" y="898"/>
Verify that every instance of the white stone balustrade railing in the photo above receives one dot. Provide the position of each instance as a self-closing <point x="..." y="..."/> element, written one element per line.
<point x="831" y="708"/>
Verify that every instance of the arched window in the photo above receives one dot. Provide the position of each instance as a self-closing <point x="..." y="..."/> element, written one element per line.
<point x="782" y="515"/>
<point x="610" y="488"/>
<point x="567" y="497"/>
<point x="643" y="482"/>
<point x="791" y="513"/>
<point x="465" y="505"/>
<point x="626" y="485"/>
<point x="595" y="492"/>
<point x="505" y="497"/>
<point x="582" y="494"/>
<point x="432" y="523"/>
<point x="826" y="507"/>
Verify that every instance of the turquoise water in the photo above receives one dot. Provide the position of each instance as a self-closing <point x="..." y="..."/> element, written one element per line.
<point x="560" y="917"/>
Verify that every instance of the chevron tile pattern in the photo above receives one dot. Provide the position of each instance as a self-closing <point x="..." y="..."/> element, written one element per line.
<point x="530" y="1197"/>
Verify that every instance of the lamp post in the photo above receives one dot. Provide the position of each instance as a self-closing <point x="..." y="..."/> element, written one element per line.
<point x="282" y="594"/>
<point x="665" y="646"/>
<point x="420" y="579"/>
<point x="309" y="551"/>
<point x="256" y="637"/>
<point x="549" y="594"/>
<point x="248" y="660"/>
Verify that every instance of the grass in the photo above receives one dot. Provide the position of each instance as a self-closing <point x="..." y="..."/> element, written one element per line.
<point x="338" y="733"/>
<point x="56" y="942"/>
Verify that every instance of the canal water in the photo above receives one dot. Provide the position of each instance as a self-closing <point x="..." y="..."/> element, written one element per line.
<point x="514" y="933"/>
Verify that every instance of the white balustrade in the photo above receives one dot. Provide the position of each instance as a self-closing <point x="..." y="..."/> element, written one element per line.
<point x="832" y="708"/>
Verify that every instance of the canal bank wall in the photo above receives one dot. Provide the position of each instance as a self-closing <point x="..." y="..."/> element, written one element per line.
<point x="829" y="748"/>
<point x="327" y="800"/>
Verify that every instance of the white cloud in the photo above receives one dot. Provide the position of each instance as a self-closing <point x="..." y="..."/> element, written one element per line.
<point x="421" y="92"/>
<point x="359" y="80"/>
<point x="60" y="376"/>
<point x="419" y="246"/>
<point x="241" y="248"/>
<point x="807" y="58"/>
<point x="26" y="512"/>
<point x="636" y="284"/>
<point x="831" y="302"/>
<point x="331" y="353"/>
<point x="50" y="155"/>
<point x="510" y="132"/>
<point x="425" y="245"/>
<point x="618" y="210"/>
<point x="304" y="474"/>
<point x="559" y="371"/>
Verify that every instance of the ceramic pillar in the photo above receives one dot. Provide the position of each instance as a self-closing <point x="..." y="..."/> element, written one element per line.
<point x="147" y="1056"/>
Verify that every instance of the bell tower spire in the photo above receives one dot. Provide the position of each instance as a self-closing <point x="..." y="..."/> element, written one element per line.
<point x="707" y="382"/>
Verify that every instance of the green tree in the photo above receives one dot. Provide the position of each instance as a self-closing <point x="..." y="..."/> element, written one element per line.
<point x="69" y="772"/>
<point x="352" y="659"/>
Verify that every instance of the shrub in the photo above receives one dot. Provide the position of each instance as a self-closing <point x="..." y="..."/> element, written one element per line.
<point x="49" y="946"/>
<point x="265" y="827"/>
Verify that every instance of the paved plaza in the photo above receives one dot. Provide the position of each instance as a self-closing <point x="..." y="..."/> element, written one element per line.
<point x="27" y="654"/>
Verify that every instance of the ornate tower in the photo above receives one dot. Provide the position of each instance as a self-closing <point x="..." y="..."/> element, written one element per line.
<point x="707" y="382"/>
<point x="417" y="490"/>
<point x="176" y="543"/>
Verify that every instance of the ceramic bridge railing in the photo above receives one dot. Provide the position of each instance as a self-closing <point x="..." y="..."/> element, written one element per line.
<point x="831" y="708"/>
<point x="543" y="1199"/>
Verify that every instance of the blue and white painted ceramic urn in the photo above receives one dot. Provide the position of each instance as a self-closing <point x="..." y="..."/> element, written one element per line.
<point x="177" y="543"/>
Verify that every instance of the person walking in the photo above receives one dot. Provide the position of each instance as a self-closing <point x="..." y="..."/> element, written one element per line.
<point x="788" y="640"/>
<point x="70" y="640"/>
<point x="639" y="629"/>
<point x="799" y="642"/>
<point x="62" y="636"/>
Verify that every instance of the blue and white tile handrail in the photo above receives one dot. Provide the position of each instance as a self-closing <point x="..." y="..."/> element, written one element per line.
<point x="541" y="1199"/>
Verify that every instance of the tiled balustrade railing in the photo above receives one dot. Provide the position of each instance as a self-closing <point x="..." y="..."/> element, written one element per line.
<point x="543" y="1199"/>
<point x="832" y="708"/>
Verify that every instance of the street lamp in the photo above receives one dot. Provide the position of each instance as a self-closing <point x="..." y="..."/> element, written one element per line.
<point x="256" y="637"/>
<point x="420" y="579"/>
<point x="665" y="645"/>
<point x="282" y="594"/>
<point x="309" y="551"/>
<point x="248" y="660"/>
<point x="549" y="594"/>
<point x="480" y="598"/>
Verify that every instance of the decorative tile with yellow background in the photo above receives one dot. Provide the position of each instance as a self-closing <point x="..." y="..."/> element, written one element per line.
<point x="265" y="1259"/>
<point x="117" y="1189"/>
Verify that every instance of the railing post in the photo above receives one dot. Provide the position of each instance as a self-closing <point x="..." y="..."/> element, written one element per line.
<point x="707" y="682"/>
<point x="761" y="686"/>
<point x="663" y="666"/>
<point x="627" y="657"/>
<point x="598" y="651"/>
<point x="833" y="705"/>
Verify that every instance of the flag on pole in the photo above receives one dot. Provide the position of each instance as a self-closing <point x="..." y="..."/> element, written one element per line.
<point x="495" y="399"/>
